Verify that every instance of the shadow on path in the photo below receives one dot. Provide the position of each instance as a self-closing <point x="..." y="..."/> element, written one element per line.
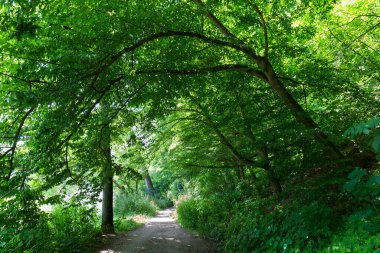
<point x="160" y="234"/>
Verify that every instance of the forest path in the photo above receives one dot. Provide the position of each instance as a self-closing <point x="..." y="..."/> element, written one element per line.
<point x="160" y="234"/>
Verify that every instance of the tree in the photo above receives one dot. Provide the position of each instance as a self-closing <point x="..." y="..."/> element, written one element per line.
<point x="148" y="183"/>
<point x="107" y="200"/>
<point x="232" y="91"/>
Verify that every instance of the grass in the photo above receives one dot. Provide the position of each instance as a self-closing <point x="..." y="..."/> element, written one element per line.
<point x="125" y="225"/>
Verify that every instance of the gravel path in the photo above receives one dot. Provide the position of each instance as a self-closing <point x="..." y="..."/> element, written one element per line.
<point x="160" y="234"/>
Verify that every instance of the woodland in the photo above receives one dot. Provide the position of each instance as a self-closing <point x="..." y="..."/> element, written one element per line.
<point x="259" y="120"/>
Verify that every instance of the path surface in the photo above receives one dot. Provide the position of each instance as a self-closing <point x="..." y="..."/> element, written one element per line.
<point x="160" y="234"/>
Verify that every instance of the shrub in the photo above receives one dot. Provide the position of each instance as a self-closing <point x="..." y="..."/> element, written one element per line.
<point x="188" y="214"/>
<point x="258" y="225"/>
<point x="162" y="202"/>
<point x="124" y="225"/>
<point x="360" y="233"/>
<point x="71" y="228"/>
<point x="66" y="229"/>
<point x="133" y="204"/>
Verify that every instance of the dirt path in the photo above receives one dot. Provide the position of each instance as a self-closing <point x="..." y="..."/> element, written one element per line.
<point x="160" y="234"/>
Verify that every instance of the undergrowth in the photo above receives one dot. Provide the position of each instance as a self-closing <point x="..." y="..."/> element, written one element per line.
<point x="129" y="204"/>
<point x="66" y="230"/>
<point x="124" y="225"/>
<point x="321" y="215"/>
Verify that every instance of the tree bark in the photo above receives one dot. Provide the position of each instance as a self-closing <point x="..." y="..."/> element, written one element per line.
<point x="107" y="204"/>
<point x="149" y="184"/>
<point x="296" y="109"/>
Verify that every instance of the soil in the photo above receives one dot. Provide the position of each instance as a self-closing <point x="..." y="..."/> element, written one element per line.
<point x="160" y="234"/>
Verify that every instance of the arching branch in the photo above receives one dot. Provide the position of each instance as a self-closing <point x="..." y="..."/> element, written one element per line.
<point x="12" y="150"/>
<point x="228" y="67"/>
<point x="263" y="25"/>
<point x="223" y="139"/>
<point x="84" y="118"/>
<point x="141" y="42"/>
<point x="224" y="30"/>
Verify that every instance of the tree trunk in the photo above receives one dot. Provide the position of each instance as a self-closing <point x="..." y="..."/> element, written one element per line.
<point x="107" y="204"/>
<point x="296" y="109"/>
<point x="149" y="184"/>
<point x="262" y="152"/>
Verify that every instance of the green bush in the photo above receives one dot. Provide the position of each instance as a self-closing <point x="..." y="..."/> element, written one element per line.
<point x="322" y="216"/>
<point x="354" y="237"/>
<point x="256" y="225"/>
<point x="133" y="204"/>
<point x="71" y="228"/>
<point x="162" y="202"/>
<point x="124" y="225"/>
<point x="360" y="232"/>
<point x="66" y="230"/>
<point x="26" y="240"/>
<point x="188" y="215"/>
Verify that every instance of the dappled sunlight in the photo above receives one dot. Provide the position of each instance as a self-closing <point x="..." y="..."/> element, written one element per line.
<point x="108" y="235"/>
<point x="160" y="220"/>
<point x="160" y="234"/>
<point x="109" y="251"/>
<point x="162" y="217"/>
<point x="175" y="126"/>
<point x="167" y="238"/>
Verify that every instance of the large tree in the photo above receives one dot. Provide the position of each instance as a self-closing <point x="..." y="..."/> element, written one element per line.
<point x="282" y="71"/>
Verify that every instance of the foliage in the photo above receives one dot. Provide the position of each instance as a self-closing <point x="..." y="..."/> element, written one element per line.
<point x="125" y="225"/>
<point x="371" y="132"/>
<point x="71" y="228"/>
<point x="162" y="202"/>
<point x="241" y="104"/>
<point x="295" y="225"/>
<point x="363" y="127"/>
<point x="248" y="227"/>
<point x="188" y="215"/>
<point x="66" y="229"/>
<point x="361" y="229"/>
<point x="354" y="238"/>
<point x="129" y="204"/>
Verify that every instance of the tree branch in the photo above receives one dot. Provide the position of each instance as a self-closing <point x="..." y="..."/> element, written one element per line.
<point x="21" y="79"/>
<point x="364" y="33"/>
<point x="16" y="139"/>
<point x="141" y="42"/>
<point x="264" y="29"/>
<point x="127" y="101"/>
<point x="177" y="120"/>
<point x="215" y="20"/>
<point x="229" y="67"/>
<point x="238" y="43"/>
<point x="84" y="118"/>
<point x="359" y="16"/>
<point x="67" y="164"/>
<point x="348" y="46"/>
<point x="223" y="139"/>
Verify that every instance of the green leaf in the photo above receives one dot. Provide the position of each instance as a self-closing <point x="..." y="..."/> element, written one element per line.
<point x="376" y="142"/>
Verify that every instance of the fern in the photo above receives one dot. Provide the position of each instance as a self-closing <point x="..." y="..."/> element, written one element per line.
<point x="369" y="128"/>
<point x="363" y="127"/>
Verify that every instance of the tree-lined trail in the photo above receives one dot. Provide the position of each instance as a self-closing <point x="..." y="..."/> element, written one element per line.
<point x="259" y="119"/>
<point x="160" y="234"/>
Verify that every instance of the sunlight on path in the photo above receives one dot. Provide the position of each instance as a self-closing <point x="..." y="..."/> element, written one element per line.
<point x="160" y="234"/>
